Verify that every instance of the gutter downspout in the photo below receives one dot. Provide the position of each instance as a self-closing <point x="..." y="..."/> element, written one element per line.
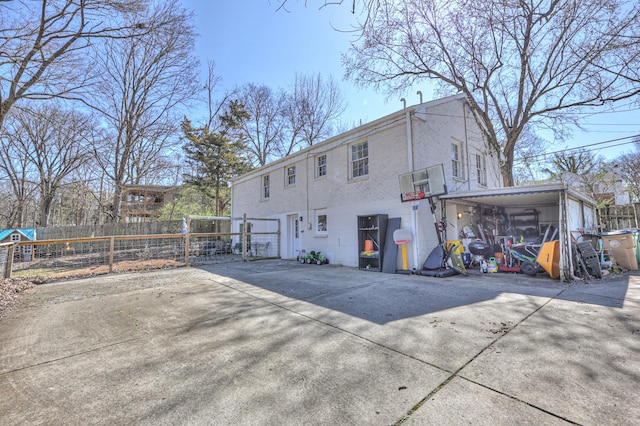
<point x="466" y="144"/>
<point x="414" y="207"/>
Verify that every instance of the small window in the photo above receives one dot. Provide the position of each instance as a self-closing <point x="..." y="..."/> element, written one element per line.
<point x="265" y="187"/>
<point x="456" y="159"/>
<point x="15" y="237"/>
<point x="291" y="175"/>
<point x="321" y="222"/>
<point x="321" y="165"/>
<point x="360" y="160"/>
<point x="481" y="168"/>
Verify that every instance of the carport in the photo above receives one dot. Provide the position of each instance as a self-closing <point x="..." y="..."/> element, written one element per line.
<point x="545" y="205"/>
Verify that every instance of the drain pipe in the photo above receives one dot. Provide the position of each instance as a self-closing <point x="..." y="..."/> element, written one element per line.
<point x="414" y="207"/>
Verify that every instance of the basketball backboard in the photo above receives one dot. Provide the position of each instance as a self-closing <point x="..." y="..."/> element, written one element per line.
<point x="422" y="183"/>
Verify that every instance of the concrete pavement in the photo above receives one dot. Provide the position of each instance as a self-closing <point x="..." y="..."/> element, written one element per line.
<point x="275" y="342"/>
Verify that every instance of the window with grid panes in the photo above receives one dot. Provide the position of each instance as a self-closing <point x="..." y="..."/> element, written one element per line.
<point x="291" y="175"/>
<point x="456" y="163"/>
<point x="321" y="165"/>
<point x="265" y="187"/>
<point x="360" y="160"/>
<point x="481" y="168"/>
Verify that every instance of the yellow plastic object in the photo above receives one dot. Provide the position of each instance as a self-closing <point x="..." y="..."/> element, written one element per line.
<point x="457" y="243"/>
<point x="549" y="258"/>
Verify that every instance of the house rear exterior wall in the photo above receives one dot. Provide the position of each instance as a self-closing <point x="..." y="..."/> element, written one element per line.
<point x="342" y="199"/>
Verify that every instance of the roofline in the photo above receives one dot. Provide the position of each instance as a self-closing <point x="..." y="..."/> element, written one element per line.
<point x="359" y="131"/>
<point x="519" y="190"/>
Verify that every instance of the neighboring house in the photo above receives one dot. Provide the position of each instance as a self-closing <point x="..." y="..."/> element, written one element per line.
<point x="318" y="192"/>
<point x="17" y="235"/>
<point x="610" y="191"/>
<point x="143" y="203"/>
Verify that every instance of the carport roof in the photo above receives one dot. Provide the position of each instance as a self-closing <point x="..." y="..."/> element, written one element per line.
<point x="521" y="196"/>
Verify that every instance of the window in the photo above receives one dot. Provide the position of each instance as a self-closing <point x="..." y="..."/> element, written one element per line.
<point x="360" y="160"/>
<point x="290" y="178"/>
<point x="265" y="187"/>
<point x="321" y="222"/>
<point x="456" y="159"/>
<point x="321" y="165"/>
<point x="14" y="239"/>
<point x="481" y="168"/>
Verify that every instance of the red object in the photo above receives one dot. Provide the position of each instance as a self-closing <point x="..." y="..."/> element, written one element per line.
<point x="514" y="269"/>
<point x="413" y="196"/>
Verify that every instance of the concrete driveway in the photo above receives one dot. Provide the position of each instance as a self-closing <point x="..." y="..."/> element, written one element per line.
<point x="278" y="343"/>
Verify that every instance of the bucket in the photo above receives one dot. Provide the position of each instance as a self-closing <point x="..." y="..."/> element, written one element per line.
<point x="368" y="245"/>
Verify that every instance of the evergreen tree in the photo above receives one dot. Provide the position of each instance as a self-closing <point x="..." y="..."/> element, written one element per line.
<point x="216" y="156"/>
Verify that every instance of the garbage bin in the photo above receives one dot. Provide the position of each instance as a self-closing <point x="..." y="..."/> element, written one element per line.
<point x="623" y="245"/>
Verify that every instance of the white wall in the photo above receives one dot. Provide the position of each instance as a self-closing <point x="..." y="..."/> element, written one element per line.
<point x="432" y="127"/>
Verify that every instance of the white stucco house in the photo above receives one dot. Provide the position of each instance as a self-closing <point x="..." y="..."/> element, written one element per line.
<point x="318" y="192"/>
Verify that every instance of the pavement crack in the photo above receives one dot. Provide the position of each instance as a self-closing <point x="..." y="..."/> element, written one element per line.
<point x="456" y="373"/>
<point x="51" y="361"/>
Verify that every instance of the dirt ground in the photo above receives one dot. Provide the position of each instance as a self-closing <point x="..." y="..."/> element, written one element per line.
<point x="10" y="291"/>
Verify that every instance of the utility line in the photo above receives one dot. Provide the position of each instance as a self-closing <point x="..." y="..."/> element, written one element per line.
<point x="545" y="154"/>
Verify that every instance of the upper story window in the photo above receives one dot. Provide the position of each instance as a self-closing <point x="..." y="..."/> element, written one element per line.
<point x="290" y="178"/>
<point x="456" y="159"/>
<point x="360" y="160"/>
<point x="15" y="237"/>
<point x="481" y="169"/>
<point x="265" y="187"/>
<point x="321" y="165"/>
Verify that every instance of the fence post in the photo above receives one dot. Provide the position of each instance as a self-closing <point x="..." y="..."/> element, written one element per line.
<point x="187" y="242"/>
<point x="244" y="237"/>
<point x="112" y="245"/>
<point x="10" y="262"/>
<point x="278" y="242"/>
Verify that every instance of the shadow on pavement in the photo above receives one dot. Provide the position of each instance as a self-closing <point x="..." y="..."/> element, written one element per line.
<point x="381" y="298"/>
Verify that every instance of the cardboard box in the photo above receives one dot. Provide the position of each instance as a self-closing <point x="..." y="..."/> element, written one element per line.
<point x="619" y="241"/>
<point x="625" y="258"/>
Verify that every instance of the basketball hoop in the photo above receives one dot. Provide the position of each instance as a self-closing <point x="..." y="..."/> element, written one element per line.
<point x="424" y="183"/>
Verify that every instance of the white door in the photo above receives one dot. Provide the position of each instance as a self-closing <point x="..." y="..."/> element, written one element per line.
<point x="293" y="232"/>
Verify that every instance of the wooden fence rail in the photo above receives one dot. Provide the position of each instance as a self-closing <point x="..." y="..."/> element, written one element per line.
<point x="73" y="257"/>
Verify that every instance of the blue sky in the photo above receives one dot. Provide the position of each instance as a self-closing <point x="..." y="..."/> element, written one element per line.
<point x="252" y="43"/>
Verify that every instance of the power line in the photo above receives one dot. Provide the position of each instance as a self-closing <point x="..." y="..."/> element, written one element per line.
<point x="545" y="154"/>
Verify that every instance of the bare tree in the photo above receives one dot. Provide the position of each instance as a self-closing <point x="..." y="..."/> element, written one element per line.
<point x="524" y="63"/>
<point x="214" y="107"/>
<point x="317" y="104"/>
<point x="284" y="121"/>
<point x="629" y="168"/>
<point x="43" y="44"/>
<point x="263" y="131"/>
<point x="20" y="174"/>
<point x="56" y="143"/>
<point x="142" y="81"/>
<point x="581" y="168"/>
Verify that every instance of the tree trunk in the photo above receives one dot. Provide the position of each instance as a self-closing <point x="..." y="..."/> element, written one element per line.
<point x="506" y="169"/>
<point x="45" y="211"/>
<point x="115" y="210"/>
